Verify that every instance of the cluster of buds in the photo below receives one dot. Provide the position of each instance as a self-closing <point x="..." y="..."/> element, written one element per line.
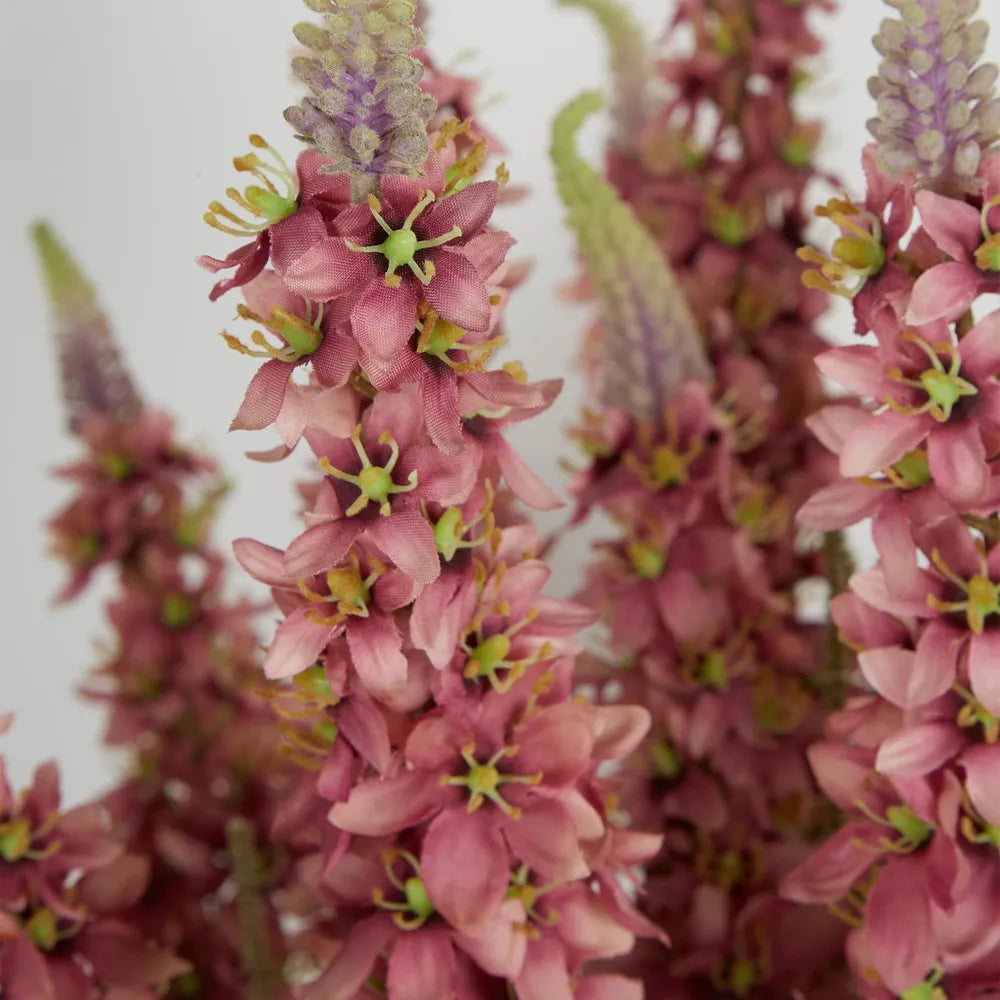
<point x="455" y="838"/>
<point x="912" y="758"/>
<point x="701" y="361"/>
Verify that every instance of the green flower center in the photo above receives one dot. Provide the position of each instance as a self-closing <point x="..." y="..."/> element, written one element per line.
<point x="176" y="611"/>
<point x="944" y="389"/>
<point x="400" y="246"/>
<point x="15" y="839"/>
<point x="866" y="256"/>
<point x="491" y="654"/>
<point x="913" y="468"/>
<point x="374" y="482"/>
<point x="912" y="828"/>
<point x="711" y="671"/>
<point x="484" y="780"/>
<point x="42" y="929"/>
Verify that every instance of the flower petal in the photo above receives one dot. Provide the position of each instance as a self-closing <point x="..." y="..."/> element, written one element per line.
<point x="944" y="292"/>
<point x="384" y="319"/>
<point x="880" y="442"/>
<point x="386" y="805"/>
<point x="422" y="965"/>
<point x="264" y="396"/>
<point x="957" y="459"/>
<point x="457" y="292"/>
<point x="320" y="547"/>
<point x="919" y="749"/>
<point x="407" y="539"/>
<point x="466" y="867"/>
<point x="328" y="269"/>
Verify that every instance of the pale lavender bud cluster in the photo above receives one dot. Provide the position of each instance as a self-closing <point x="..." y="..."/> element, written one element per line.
<point x="937" y="114"/>
<point x="94" y="378"/>
<point x="367" y="111"/>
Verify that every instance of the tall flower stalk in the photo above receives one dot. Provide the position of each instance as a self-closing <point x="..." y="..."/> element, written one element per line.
<point x="179" y="675"/>
<point x="699" y="369"/>
<point x="912" y="759"/>
<point x="463" y="841"/>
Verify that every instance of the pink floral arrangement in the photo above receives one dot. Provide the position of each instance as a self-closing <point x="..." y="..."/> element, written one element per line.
<point x="402" y="771"/>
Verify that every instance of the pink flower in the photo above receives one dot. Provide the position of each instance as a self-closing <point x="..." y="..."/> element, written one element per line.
<point x="289" y="222"/>
<point x="375" y="482"/>
<point x="963" y="232"/>
<point x="316" y="341"/>
<point x="932" y="391"/>
<point x="388" y="254"/>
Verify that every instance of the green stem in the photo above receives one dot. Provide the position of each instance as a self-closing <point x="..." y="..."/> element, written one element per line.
<point x="258" y="965"/>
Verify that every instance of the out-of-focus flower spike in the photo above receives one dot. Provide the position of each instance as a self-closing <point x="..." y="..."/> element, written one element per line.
<point x="631" y="67"/>
<point x="366" y="111"/>
<point x="937" y="110"/>
<point x="651" y="344"/>
<point x="93" y="376"/>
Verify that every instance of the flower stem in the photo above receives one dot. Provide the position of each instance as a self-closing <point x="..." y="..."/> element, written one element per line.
<point x="258" y="965"/>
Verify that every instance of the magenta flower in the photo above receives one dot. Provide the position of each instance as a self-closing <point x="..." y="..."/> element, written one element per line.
<point x="413" y="243"/>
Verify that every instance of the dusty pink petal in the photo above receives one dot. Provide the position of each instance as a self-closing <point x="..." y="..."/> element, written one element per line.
<point x="293" y="236"/>
<point x="544" y="975"/>
<point x="694" y="613"/>
<point x="402" y="193"/>
<point x="407" y="539"/>
<point x="545" y="839"/>
<point x="980" y="347"/>
<point x="118" y="955"/>
<point x="937" y="654"/>
<point x="297" y="643"/>
<point x="376" y="651"/>
<point x="556" y="741"/>
<point x="617" y="729"/>
<point x="23" y="974"/>
<point x="264" y="396"/>
<point x="898" y="925"/>
<point x="398" y="413"/>
<point x="440" y="612"/>
<point x="262" y="562"/>
<point x="835" y="423"/>
<point x="840" y="505"/>
<point x="863" y="625"/>
<point x="329" y="269"/>
<point x="841" y="771"/>
<point x="436" y="741"/>
<point x="470" y="210"/>
<point x="609" y="987"/>
<point x="441" y="478"/>
<point x="957" y="459"/>
<point x="249" y="260"/>
<point x="893" y="672"/>
<point x="320" y="547"/>
<point x="857" y="368"/>
<point x="422" y="965"/>
<point x="384" y="319"/>
<point x="117" y="886"/>
<point x="439" y="398"/>
<point x="982" y="780"/>
<point x="870" y="586"/>
<point x="953" y="225"/>
<point x="984" y="670"/>
<point x="365" y="727"/>
<point x="919" y="749"/>
<point x="501" y="947"/>
<point x="335" y="359"/>
<point x="883" y="440"/>
<point x="487" y="251"/>
<point x="892" y="534"/>
<point x="465" y="867"/>
<point x="268" y="291"/>
<point x="386" y="805"/>
<point x="458" y="292"/>
<point x="591" y="929"/>
<point x="944" y="292"/>
<point x="348" y="971"/>
<point x="527" y="486"/>
<point x="828" y="873"/>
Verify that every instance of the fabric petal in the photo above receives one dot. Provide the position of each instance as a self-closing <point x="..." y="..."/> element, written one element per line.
<point x="296" y="646"/>
<point x="407" y="539"/>
<point x="919" y="749"/>
<point x="321" y="547"/>
<point x="944" y="292"/>
<point x="840" y="505"/>
<point x="957" y="459"/>
<point x="422" y="965"/>
<point x="883" y="440"/>
<point x="984" y="670"/>
<point x="380" y="806"/>
<point x="457" y="292"/>
<point x="264" y="396"/>
<point x="328" y="269"/>
<point x="465" y="867"/>
<point x="384" y="318"/>
<point x="352" y="965"/>
<point x="376" y="652"/>
<point x="953" y="225"/>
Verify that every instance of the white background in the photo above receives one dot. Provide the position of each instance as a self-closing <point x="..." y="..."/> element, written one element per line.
<point x="119" y="122"/>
